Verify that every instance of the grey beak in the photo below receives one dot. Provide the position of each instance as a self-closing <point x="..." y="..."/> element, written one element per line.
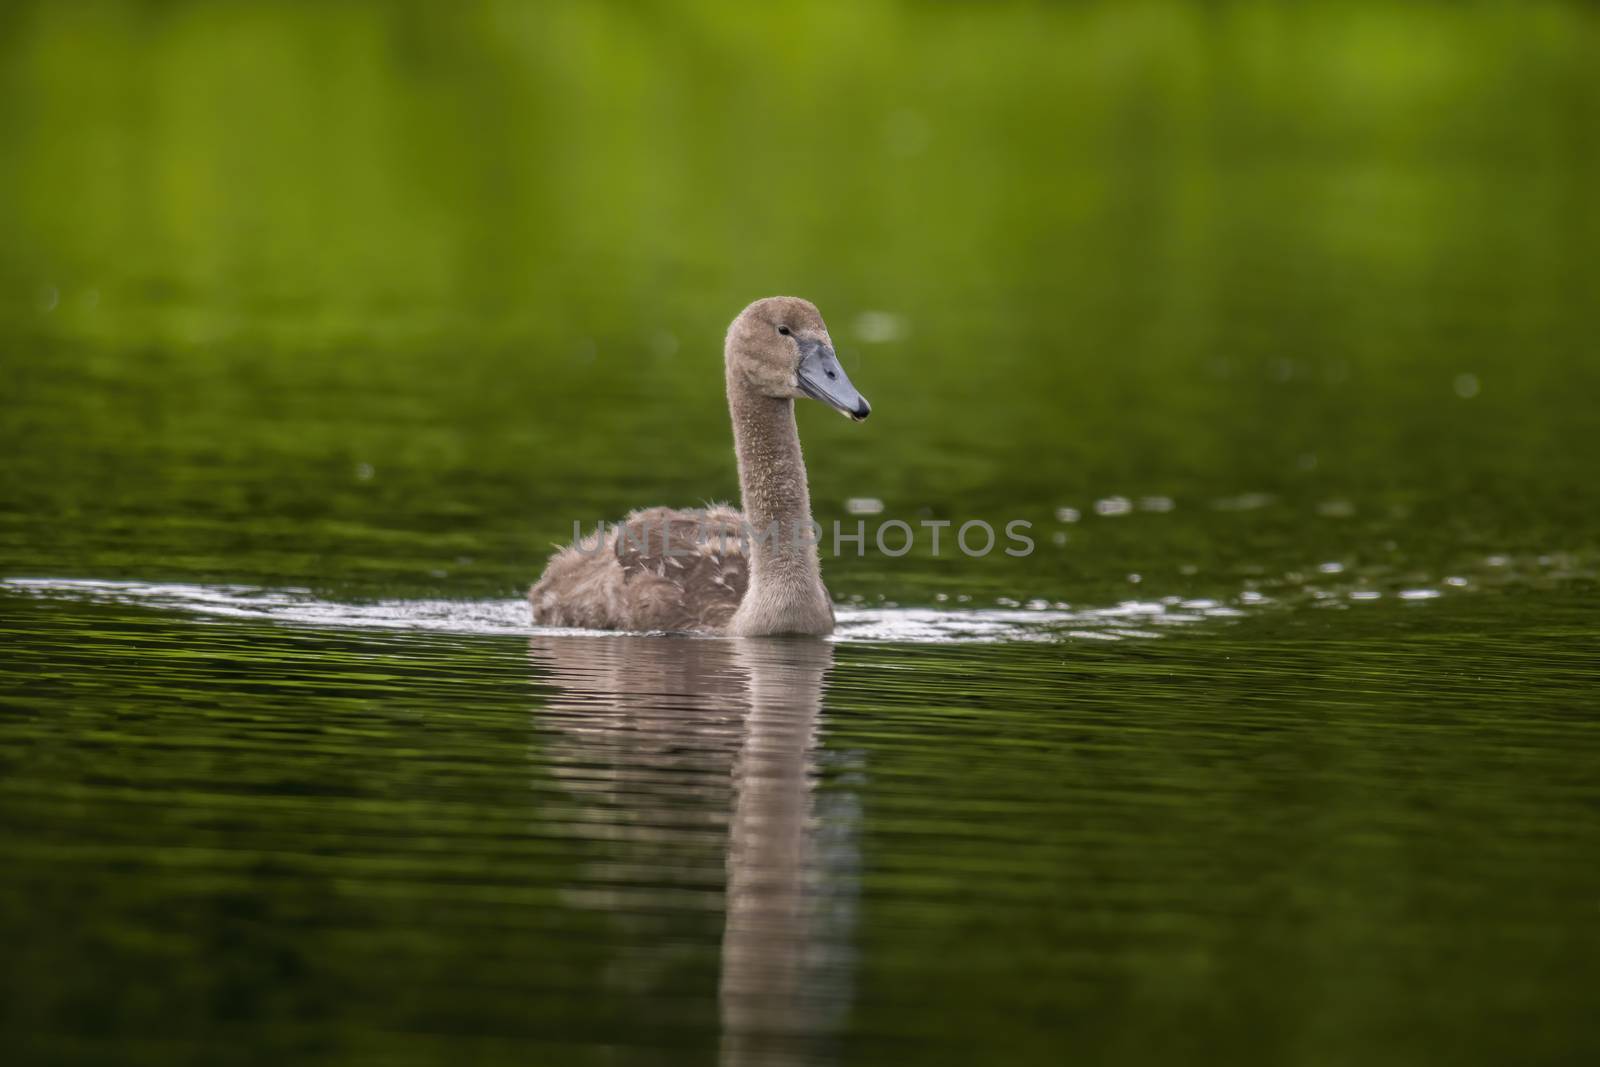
<point x="821" y="378"/>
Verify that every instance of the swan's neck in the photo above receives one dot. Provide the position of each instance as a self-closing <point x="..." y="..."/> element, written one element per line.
<point x="786" y="593"/>
<point x="772" y="482"/>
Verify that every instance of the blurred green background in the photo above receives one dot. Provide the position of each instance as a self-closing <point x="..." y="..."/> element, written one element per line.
<point x="353" y="295"/>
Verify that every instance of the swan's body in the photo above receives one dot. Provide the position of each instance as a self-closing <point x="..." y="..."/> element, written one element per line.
<point x="718" y="570"/>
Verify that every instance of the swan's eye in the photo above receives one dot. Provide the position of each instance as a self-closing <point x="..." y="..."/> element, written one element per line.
<point x="784" y="330"/>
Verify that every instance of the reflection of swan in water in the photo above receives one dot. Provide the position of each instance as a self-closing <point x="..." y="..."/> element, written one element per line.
<point x="675" y="747"/>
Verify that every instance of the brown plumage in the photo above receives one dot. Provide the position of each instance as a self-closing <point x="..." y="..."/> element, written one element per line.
<point x="660" y="569"/>
<point x="718" y="570"/>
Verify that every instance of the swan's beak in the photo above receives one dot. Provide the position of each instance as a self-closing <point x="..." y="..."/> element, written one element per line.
<point x="821" y="378"/>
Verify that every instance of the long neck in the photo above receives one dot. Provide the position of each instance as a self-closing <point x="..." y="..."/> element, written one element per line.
<point x="772" y="487"/>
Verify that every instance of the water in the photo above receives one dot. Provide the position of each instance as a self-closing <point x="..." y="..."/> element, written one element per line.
<point x="319" y="326"/>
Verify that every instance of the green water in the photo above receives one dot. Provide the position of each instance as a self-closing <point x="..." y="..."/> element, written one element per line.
<point x="320" y="324"/>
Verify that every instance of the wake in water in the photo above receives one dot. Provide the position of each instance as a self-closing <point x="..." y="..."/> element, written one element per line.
<point x="1130" y="619"/>
<point x="1327" y="585"/>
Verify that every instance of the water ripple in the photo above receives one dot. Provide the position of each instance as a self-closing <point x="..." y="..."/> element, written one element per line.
<point x="1129" y="619"/>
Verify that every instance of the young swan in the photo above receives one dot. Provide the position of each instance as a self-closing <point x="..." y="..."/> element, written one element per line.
<point x="715" y="570"/>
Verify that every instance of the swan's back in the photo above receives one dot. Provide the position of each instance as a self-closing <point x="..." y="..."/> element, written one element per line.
<point x="661" y="569"/>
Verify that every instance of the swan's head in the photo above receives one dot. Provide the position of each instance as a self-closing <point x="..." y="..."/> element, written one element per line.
<point x="780" y="347"/>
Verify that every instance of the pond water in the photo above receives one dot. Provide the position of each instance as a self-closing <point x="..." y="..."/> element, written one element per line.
<point x="320" y="326"/>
